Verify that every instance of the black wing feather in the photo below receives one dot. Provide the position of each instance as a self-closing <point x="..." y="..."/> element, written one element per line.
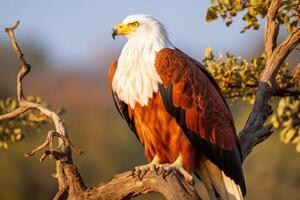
<point x="123" y="110"/>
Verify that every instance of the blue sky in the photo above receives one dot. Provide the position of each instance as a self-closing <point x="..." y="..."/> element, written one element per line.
<point x="78" y="31"/>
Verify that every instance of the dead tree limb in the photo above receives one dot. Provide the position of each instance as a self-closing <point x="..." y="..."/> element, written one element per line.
<point x="173" y="187"/>
<point x="64" y="145"/>
<point x="125" y="186"/>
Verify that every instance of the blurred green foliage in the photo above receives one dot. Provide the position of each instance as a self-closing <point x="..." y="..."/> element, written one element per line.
<point x="287" y="118"/>
<point x="252" y="10"/>
<point x="14" y="130"/>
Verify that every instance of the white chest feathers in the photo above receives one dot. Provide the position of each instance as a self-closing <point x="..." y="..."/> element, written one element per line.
<point x="136" y="78"/>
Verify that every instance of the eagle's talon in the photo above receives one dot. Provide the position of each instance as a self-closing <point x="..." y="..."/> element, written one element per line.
<point x="132" y="173"/>
<point x="141" y="171"/>
<point x="168" y="169"/>
<point x="177" y="165"/>
<point x="167" y="172"/>
<point x="158" y="168"/>
<point x="139" y="174"/>
<point x="192" y="182"/>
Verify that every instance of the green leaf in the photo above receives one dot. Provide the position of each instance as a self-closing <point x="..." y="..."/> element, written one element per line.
<point x="208" y="53"/>
<point x="228" y="23"/>
<point x="13" y="130"/>
<point x="211" y="14"/>
<point x="287" y="24"/>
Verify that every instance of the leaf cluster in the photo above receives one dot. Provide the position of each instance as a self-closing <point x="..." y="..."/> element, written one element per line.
<point x="238" y="79"/>
<point x="14" y="130"/>
<point x="287" y="119"/>
<point x="253" y="10"/>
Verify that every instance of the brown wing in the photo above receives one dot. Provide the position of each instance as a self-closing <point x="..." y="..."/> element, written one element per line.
<point x="192" y="96"/>
<point x="206" y="111"/>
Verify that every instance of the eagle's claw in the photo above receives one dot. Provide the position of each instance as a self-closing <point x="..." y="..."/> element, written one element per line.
<point x="177" y="165"/>
<point x="141" y="171"/>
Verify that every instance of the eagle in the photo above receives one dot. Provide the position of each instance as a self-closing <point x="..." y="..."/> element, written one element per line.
<point x="176" y="110"/>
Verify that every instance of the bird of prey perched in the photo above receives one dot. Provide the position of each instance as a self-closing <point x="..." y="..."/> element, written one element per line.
<point x="176" y="109"/>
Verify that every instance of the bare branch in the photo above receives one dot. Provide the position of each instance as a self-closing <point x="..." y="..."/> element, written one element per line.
<point x="125" y="186"/>
<point x="25" y="67"/>
<point x="272" y="27"/>
<point x="64" y="144"/>
<point x="14" y="113"/>
<point x="278" y="56"/>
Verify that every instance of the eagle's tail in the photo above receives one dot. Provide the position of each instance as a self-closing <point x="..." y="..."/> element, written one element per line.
<point x="218" y="185"/>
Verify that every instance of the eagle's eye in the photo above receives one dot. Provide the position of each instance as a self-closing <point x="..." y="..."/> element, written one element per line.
<point x="134" y="24"/>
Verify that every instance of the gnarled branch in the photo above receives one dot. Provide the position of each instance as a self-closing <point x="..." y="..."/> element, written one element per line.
<point x="64" y="145"/>
<point x="125" y="186"/>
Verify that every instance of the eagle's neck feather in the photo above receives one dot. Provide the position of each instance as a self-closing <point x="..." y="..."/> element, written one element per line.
<point x="136" y="78"/>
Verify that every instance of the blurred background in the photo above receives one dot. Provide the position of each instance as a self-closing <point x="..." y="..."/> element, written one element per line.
<point x="69" y="45"/>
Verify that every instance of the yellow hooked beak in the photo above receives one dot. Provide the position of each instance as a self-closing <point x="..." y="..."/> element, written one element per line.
<point x="124" y="29"/>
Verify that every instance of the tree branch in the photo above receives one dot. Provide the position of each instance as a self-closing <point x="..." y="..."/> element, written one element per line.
<point x="25" y="67"/>
<point x="65" y="145"/>
<point x="173" y="187"/>
<point x="272" y="27"/>
<point x="278" y="56"/>
<point x="254" y="131"/>
<point x="14" y="113"/>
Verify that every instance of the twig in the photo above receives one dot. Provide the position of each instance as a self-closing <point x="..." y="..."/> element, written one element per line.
<point x="25" y="67"/>
<point x="14" y="113"/>
<point x="289" y="91"/>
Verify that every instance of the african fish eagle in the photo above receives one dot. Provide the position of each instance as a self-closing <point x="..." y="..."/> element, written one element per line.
<point x="176" y="109"/>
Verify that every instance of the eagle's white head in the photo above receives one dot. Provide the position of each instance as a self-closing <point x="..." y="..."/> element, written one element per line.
<point x="140" y="26"/>
<point x="136" y="78"/>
